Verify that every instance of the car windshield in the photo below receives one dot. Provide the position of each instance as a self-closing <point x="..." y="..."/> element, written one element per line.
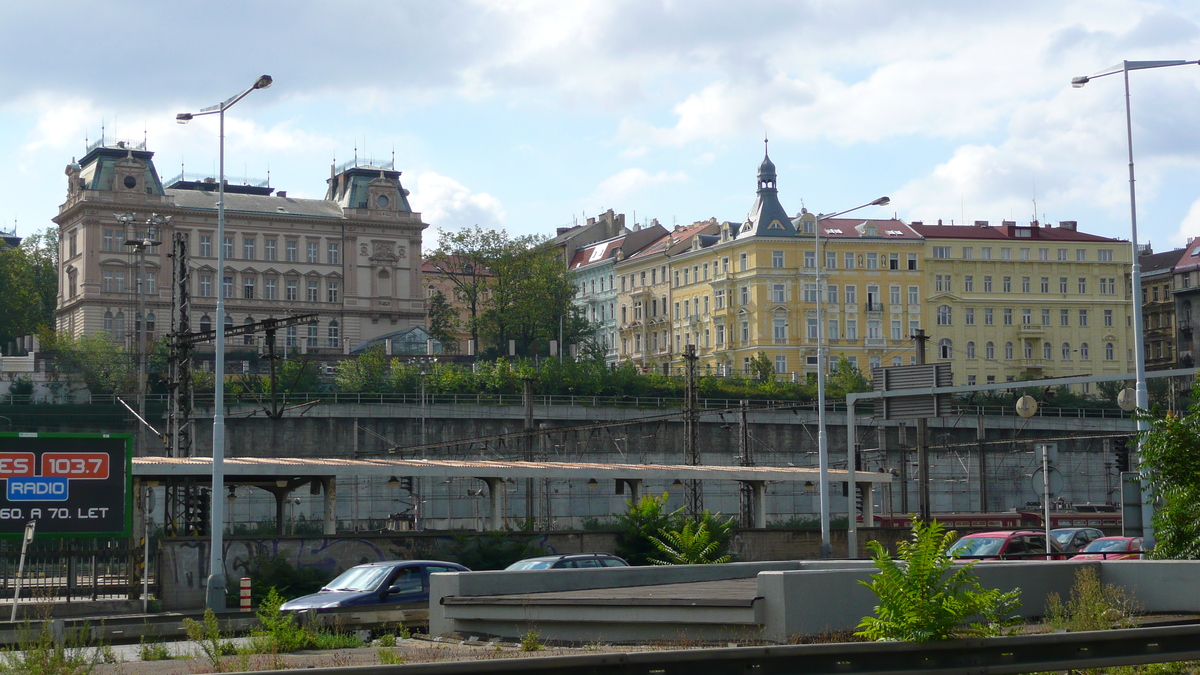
<point x="1064" y="536"/>
<point x="976" y="546"/>
<point x="365" y="578"/>
<point x="530" y="565"/>
<point x="1106" y="546"/>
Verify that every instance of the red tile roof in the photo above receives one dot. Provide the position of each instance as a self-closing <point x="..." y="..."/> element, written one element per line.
<point x="1006" y="233"/>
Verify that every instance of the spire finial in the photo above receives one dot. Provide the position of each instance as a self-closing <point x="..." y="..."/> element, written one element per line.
<point x="766" y="142"/>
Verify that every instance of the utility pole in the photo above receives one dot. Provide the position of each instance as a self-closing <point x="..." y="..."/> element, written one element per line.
<point x="140" y="241"/>
<point x="530" y="484"/>
<point x="179" y="360"/>
<point x="980" y="434"/>
<point x="691" y="422"/>
<point x="921" y="338"/>
<point x="903" y="428"/>
<point x="745" y="459"/>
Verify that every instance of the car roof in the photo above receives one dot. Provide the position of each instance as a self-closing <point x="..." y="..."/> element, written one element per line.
<point x="396" y="563"/>
<point x="1000" y="533"/>
<point x="1072" y="529"/>
<point x="562" y="556"/>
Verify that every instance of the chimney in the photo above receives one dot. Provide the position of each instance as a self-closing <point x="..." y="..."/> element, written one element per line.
<point x="281" y="193"/>
<point x="939" y="222"/>
<point x="917" y="222"/>
<point x="1067" y="225"/>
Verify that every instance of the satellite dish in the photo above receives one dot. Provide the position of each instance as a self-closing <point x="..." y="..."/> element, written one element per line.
<point x="1127" y="399"/>
<point x="1026" y="406"/>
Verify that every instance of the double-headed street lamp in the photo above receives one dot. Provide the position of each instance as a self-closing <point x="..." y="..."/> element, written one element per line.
<point x="1139" y="353"/>
<point x="826" y="550"/>
<point x="215" y="594"/>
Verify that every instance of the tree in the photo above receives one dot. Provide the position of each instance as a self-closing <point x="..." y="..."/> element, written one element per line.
<point x="701" y="542"/>
<point x="761" y="368"/>
<point x="922" y="598"/>
<point x="640" y="523"/>
<point x="845" y="379"/>
<point x="104" y="366"/>
<point x="443" y="322"/>
<point x="1170" y="460"/>
<point x="368" y="373"/>
<point x="41" y="249"/>
<point x="463" y="257"/>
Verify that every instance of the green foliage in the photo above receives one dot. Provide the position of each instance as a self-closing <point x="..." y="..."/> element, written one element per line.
<point x="531" y="641"/>
<point x="490" y="550"/>
<point x="761" y="368"/>
<point x="845" y="379"/>
<point x="279" y="632"/>
<point x="153" y="650"/>
<point x="443" y="321"/>
<point x="273" y="572"/>
<point x="1092" y="605"/>
<point x="637" y="527"/>
<point x="1168" y="459"/>
<point x="209" y="641"/>
<point x="39" y="653"/>
<point x="105" y="366"/>
<point x="29" y="278"/>
<point x="388" y="657"/>
<point x="922" y="598"/>
<point x="695" y="543"/>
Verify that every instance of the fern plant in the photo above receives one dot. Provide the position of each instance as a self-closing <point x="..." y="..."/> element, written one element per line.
<point x="923" y="598"/>
<point x="692" y="545"/>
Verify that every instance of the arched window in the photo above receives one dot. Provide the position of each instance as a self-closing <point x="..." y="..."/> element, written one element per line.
<point x="334" y="334"/>
<point x="989" y="351"/>
<point x="248" y="338"/>
<point x="119" y="325"/>
<point x="228" y="322"/>
<point x="1008" y="351"/>
<point x="205" y="322"/>
<point x="1108" y="351"/>
<point x="108" y="324"/>
<point x="1083" y="351"/>
<point x="1028" y="348"/>
<point x="945" y="348"/>
<point x="970" y="350"/>
<point x="1066" y="351"/>
<point x="943" y="315"/>
<point x="150" y="326"/>
<point x="1047" y="351"/>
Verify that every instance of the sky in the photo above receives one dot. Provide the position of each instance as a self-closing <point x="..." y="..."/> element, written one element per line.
<point x="529" y="115"/>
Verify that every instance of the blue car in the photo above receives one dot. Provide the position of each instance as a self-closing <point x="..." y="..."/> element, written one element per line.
<point x="395" y="582"/>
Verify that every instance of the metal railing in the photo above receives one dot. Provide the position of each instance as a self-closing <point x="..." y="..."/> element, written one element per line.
<point x="75" y="575"/>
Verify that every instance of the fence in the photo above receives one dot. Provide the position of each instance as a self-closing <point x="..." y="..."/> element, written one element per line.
<point x="91" y="571"/>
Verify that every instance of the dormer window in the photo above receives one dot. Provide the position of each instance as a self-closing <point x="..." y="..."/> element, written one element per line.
<point x="870" y="230"/>
<point x="809" y="227"/>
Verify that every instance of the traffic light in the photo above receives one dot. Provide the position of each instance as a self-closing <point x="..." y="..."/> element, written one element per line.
<point x="1121" y="451"/>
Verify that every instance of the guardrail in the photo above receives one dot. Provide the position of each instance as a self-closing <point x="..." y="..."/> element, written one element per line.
<point x="994" y="656"/>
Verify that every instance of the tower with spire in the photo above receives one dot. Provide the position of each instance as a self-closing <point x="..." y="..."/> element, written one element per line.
<point x="767" y="218"/>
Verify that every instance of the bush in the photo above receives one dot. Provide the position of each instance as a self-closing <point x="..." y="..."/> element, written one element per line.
<point x="921" y="599"/>
<point x="272" y="572"/>
<point x="702" y="542"/>
<point x="491" y="550"/>
<point x="638" y="526"/>
<point x="1092" y="605"/>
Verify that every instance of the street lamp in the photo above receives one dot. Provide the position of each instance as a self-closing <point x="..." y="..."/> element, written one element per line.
<point x="215" y="594"/>
<point x="140" y="241"/>
<point x="826" y="550"/>
<point x="1139" y="353"/>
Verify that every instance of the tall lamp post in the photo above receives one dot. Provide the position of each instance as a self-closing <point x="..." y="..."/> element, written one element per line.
<point x="215" y="594"/>
<point x="826" y="550"/>
<point x="140" y="241"/>
<point x="1139" y="349"/>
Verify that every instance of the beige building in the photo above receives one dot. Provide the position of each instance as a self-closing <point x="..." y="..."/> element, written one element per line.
<point x="353" y="257"/>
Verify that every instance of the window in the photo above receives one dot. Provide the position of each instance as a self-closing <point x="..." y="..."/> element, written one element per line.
<point x="1064" y="317"/>
<point x="1024" y="284"/>
<point x="851" y="330"/>
<point x="940" y="284"/>
<point x="718" y="300"/>
<point x="720" y="335"/>
<point x="334" y="253"/>
<point x="1026" y="317"/>
<point x="724" y="268"/>
<point x="988" y="317"/>
<point x="1108" y="351"/>
<point x="779" y="328"/>
<point x="108" y="284"/>
<point x="312" y="336"/>
<point x="292" y="291"/>
<point x="849" y="261"/>
<point x="1045" y="317"/>
<point x="633" y="279"/>
<point x="313" y="295"/>
<point x="1008" y="351"/>
<point x="945" y="349"/>
<point x="1108" y="286"/>
<point x="1082" y="285"/>
<point x="873" y="299"/>
<point x="989" y="351"/>
<point x="745" y="332"/>
<point x="831" y="294"/>
<point x="269" y="289"/>
<point x="872" y="261"/>
<point x="228" y="247"/>
<point x="331" y="294"/>
<point x="1108" y="318"/>
<point x="1047" y="350"/>
<point x="269" y="249"/>
<point x="1045" y="284"/>
<point x="969" y="283"/>
<point x="810" y="292"/>
<point x="227" y="287"/>
<point x="780" y="364"/>
<point x="248" y="288"/>
<point x="745" y="296"/>
<point x="914" y="295"/>
<point x="291" y="251"/>
<point x="1062" y="255"/>
<point x="248" y="248"/>
<point x="968" y="253"/>
<point x="1043" y="254"/>
<point x="893" y="261"/>
<point x="943" y="315"/>
<point x="777" y="292"/>
<point x="705" y="307"/>
<point x="987" y="284"/>
<point x="970" y="350"/>
<point x="1080" y="254"/>
<point x="1062" y="285"/>
<point x="874" y="330"/>
<point x="743" y="262"/>
<point x="1005" y="253"/>
<point x="312" y="252"/>
<point x="912" y="261"/>
<point x="110" y="244"/>
<point x="894" y="293"/>
<point x="686" y="277"/>
<point x="851" y="295"/>
<point x="830" y="260"/>
<point x="969" y="316"/>
<point x="334" y="335"/>
<point x="206" y="286"/>
<point x="1066" y="351"/>
<point x="941" y="251"/>
<point x="833" y="329"/>
<point x="1007" y="285"/>
<point x="986" y="252"/>
<point x="897" y="328"/>
<point x="1008" y="316"/>
<point x="1024" y="254"/>
<point x="1083" y="351"/>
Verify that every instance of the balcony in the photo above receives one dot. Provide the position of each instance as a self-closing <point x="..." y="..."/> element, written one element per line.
<point x="875" y="342"/>
<point x="1030" y="329"/>
<point x="873" y="307"/>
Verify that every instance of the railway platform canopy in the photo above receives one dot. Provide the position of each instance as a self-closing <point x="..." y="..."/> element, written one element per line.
<point x="281" y="475"/>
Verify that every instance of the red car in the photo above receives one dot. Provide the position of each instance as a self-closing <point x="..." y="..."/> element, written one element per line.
<point x="1112" y="548"/>
<point x="1006" y="545"/>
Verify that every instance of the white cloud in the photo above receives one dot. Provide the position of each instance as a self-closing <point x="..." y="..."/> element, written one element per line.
<point x="615" y="189"/>
<point x="447" y="204"/>
<point x="1190" y="227"/>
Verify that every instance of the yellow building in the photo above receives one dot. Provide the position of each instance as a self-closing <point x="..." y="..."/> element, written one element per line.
<point x="753" y="288"/>
<point x="1021" y="302"/>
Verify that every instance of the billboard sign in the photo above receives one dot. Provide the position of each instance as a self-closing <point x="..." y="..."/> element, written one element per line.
<point x="73" y="485"/>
